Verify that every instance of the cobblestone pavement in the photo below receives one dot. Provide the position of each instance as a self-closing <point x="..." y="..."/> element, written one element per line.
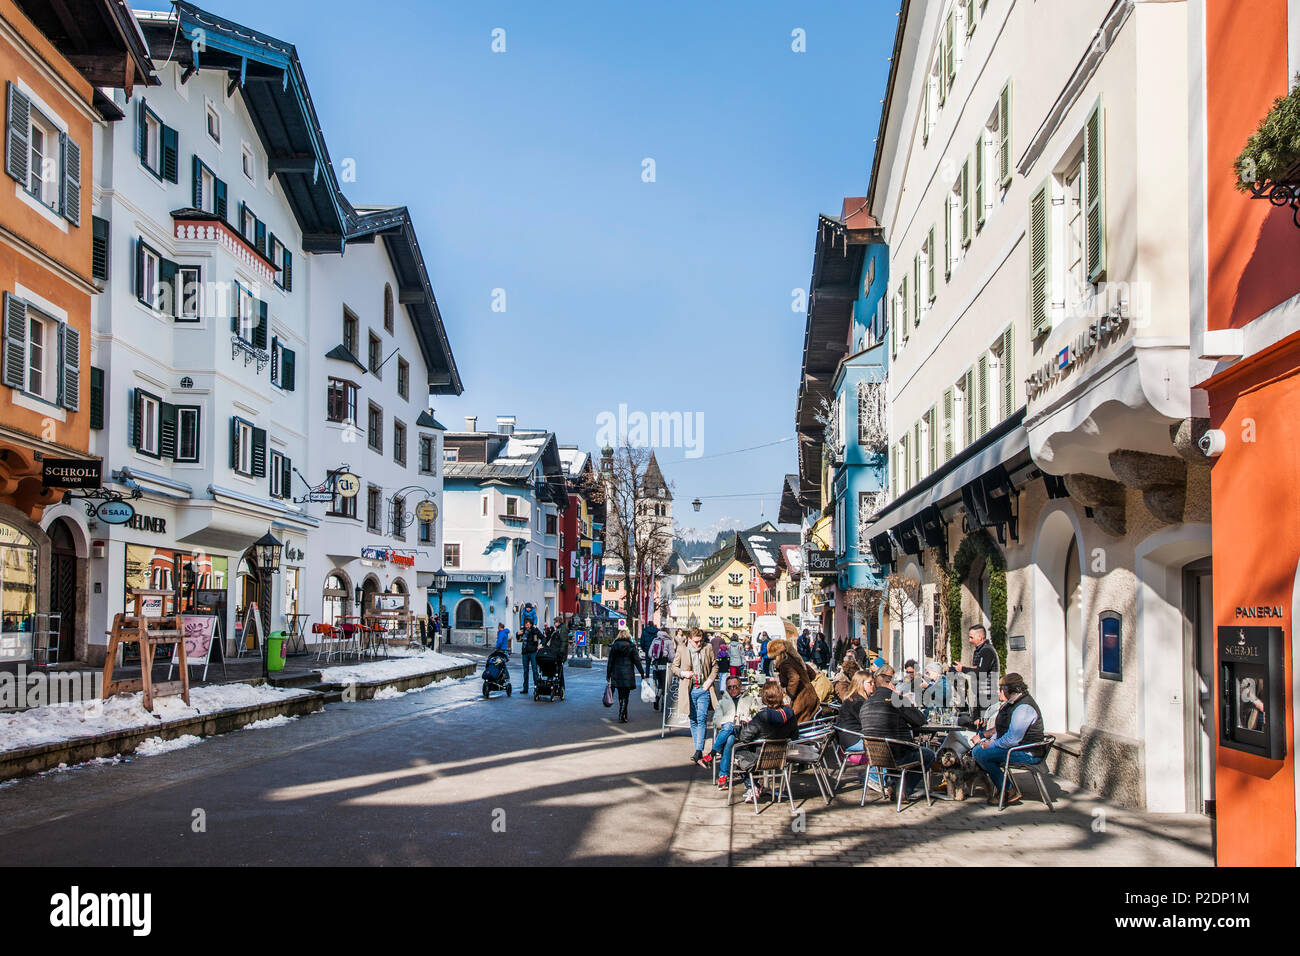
<point x="1084" y="831"/>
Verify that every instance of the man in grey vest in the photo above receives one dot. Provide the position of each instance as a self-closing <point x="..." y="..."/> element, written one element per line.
<point x="1019" y="721"/>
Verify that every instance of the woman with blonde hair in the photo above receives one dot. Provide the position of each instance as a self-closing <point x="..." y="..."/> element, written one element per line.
<point x="849" y="721"/>
<point x="795" y="677"/>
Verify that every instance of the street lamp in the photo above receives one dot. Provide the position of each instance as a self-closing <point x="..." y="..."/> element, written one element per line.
<point x="696" y="504"/>
<point x="439" y="585"/>
<point x="267" y="548"/>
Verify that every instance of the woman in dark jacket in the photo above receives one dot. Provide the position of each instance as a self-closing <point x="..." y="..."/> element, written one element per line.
<point x="849" y="721"/>
<point x="821" y="652"/>
<point x="621" y="669"/>
<point x="776" y="721"/>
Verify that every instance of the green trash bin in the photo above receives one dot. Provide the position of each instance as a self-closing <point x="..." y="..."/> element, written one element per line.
<point x="275" y="651"/>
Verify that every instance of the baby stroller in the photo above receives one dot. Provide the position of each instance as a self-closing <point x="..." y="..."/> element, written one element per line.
<point x="496" y="673"/>
<point x="550" y="667"/>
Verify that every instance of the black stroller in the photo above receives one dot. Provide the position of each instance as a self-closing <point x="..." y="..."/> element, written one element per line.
<point x="550" y="669"/>
<point x="496" y="673"/>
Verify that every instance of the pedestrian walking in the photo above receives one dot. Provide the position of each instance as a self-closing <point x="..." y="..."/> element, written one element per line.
<point x="804" y="645"/>
<point x="696" y="670"/>
<point x="821" y="652"/>
<point x="622" y="668"/>
<point x="531" y="640"/>
<point x="503" y="638"/>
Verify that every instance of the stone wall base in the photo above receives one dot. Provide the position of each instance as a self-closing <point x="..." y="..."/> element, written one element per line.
<point x="1104" y="763"/>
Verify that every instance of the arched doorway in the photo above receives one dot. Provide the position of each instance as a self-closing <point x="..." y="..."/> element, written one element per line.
<point x="469" y="615"/>
<point x="369" y="588"/>
<point x="1058" y="634"/>
<point x="1075" y="669"/>
<point x="249" y="591"/>
<point x="63" y="584"/>
<point x="337" y="595"/>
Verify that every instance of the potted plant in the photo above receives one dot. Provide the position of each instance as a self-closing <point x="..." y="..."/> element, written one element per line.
<point x="1271" y="157"/>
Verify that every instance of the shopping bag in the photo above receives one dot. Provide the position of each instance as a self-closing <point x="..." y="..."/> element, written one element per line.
<point x="648" y="693"/>
<point x="608" y="699"/>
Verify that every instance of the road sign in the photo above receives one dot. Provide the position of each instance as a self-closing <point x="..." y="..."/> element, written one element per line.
<point x="347" y="484"/>
<point x="426" y="510"/>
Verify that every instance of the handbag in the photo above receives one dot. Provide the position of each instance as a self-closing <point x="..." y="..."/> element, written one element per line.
<point x="608" y="699"/>
<point x="648" y="692"/>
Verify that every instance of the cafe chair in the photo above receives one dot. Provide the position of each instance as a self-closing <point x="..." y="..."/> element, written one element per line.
<point x="880" y="757"/>
<point x="770" y="765"/>
<point x="812" y="753"/>
<point x="1036" y="769"/>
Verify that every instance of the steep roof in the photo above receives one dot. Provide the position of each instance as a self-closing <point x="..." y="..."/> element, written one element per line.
<point x="652" y="480"/>
<point x="790" y="511"/>
<point x="762" y="549"/>
<point x="513" y="459"/>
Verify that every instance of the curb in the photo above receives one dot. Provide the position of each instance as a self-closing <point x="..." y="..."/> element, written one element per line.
<point x="32" y="760"/>
<point x="366" y="690"/>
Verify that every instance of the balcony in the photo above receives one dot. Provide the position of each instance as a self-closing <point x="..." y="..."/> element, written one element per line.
<point x="513" y="521"/>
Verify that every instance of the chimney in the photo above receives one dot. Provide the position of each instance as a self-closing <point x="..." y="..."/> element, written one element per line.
<point x="505" y="424"/>
<point x="470" y="422"/>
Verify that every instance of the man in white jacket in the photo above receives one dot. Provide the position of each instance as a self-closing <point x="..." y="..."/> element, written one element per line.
<point x="732" y="710"/>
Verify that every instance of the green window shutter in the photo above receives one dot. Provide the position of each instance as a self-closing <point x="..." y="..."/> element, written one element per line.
<point x="288" y="271"/>
<point x="70" y="371"/>
<point x="286" y="368"/>
<point x="18" y="134"/>
<point x="137" y="418"/>
<point x="1004" y="136"/>
<point x="982" y="393"/>
<point x="925" y="121"/>
<point x="1008" y="371"/>
<point x="219" y="202"/>
<point x="916" y="289"/>
<point x="259" y="330"/>
<point x="275" y="360"/>
<point x="196" y="183"/>
<point x="234" y="317"/>
<point x="950" y="61"/>
<point x="970" y="17"/>
<point x="893" y="326"/>
<point x="96" y="398"/>
<point x="259" y="235"/>
<point x="931" y="287"/>
<point x="234" y="443"/>
<point x="965" y="202"/>
<point x="99" y="248"/>
<point x="259" y="452"/>
<point x="932" y="445"/>
<point x="169" y="155"/>
<point x="1094" y="162"/>
<point x="140" y="131"/>
<point x="948" y="424"/>
<point x="905" y="324"/>
<point x="167" y="278"/>
<point x="286" y="477"/>
<point x="15" y="341"/>
<point x="968" y="403"/>
<point x="947" y="237"/>
<point x="916" y="451"/>
<point x="167" y="430"/>
<point x="979" y="180"/>
<point x="70" y="186"/>
<point x="1040" y="290"/>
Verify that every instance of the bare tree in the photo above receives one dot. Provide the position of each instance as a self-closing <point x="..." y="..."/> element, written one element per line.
<point x="638" y="531"/>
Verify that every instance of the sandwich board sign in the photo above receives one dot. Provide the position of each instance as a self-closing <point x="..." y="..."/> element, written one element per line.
<point x="200" y="637"/>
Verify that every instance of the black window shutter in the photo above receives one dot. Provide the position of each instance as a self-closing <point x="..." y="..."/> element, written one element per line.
<point x="140" y="292"/>
<point x="99" y="248"/>
<point x="234" y="318"/>
<point x="167" y="430"/>
<point x="234" y="443"/>
<point x="275" y="371"/>
<point x="137" y="418"/>
<point x="96" y="397"/>
<point x="286" y="368"/>
<point x="259" y="331"/>
<point x="167" y="277"/>
<point x="169" y="155"/>
<point x="259" y="235"/>
<point x="196" y="183"/>
<point x="219" y="190"/>
<point x="259" y="452"/>
<point x="287" y="278"/>
<point x="70" y="188"/>
<point x="140" y="130"/>
<point x="17" y="147"/>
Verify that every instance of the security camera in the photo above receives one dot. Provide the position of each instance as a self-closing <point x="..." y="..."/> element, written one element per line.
<point x="1212" y="443"/>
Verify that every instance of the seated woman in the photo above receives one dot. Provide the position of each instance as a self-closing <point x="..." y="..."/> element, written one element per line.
<point x="776" y="721"/>
<point x="850" y="718"/>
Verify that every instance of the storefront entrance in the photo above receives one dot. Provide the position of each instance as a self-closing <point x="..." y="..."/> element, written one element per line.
<point x="63" y="585"/>
<point x="1199" y="668"/>
<point x="18" y="577"/>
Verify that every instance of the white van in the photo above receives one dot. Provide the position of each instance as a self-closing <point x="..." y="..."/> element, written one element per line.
<point x="771" y="623"/>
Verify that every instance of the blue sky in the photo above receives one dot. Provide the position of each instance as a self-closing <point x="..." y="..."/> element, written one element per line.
<point x="523" y="172"/>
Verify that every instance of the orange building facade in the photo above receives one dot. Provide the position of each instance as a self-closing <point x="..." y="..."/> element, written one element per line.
<point x="46" y="276"/>
<point x="1246" y="253"/>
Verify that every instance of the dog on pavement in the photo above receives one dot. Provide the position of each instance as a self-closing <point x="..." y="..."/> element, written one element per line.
<point x="961" y="774"/>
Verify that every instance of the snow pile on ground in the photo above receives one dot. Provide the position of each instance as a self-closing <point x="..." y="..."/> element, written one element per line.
<point x="60" y="722"/>
<point x="156" y="745"/>
<point x="391" y="669"/>
<point x="279" y="720"/>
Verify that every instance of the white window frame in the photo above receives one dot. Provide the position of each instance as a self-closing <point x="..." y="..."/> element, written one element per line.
<point x="187" y="308"/>
<point x="47" y="191"/>
<point x="244" y="446"/>
<point x="149" y="281"/>
<point x="152" y="158"/>
<point x="274" y="464"/>
<point x="150" y="424"/>
<point x="48" y="358"/>
<point x="211" y="117"/>
<point x="207" y="190"/>
<point x="247" y="316"/>
<point x="192" y="413"/>
<point x="248" y="162"/>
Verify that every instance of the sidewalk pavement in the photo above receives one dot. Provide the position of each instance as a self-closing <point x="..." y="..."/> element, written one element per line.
<point x="1084" y="831"/>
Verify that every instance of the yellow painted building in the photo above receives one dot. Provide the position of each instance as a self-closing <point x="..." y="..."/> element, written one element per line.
<point x="715" y="597"/>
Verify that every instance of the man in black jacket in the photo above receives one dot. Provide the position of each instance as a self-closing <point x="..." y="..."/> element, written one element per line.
<point x="887" y="714"/>
<point x="981" y="672"/>
<point x="532" y="640"/>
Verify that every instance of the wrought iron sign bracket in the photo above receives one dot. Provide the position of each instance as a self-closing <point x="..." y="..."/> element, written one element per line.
<point x="1279" y="194"/>
<point x="95" y="497"/>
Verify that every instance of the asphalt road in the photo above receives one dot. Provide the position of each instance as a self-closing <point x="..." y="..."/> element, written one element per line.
<point x="440" y="776"/>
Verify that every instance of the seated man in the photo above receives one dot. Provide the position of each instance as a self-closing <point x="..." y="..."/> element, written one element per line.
<point x="776" y="721"/>
<point x="1018" y="721"/>
<point x="732" y="710"/>
<point x="887" y="714"/>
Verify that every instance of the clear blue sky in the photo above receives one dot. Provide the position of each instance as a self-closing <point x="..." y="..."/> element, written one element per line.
<point x="523" y="172"/>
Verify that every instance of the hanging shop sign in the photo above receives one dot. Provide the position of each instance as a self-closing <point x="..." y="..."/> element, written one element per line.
<point x="342" y="483"/>
<point x="347" y="484"/>
<point x="71" y="472"/>
<point x="115" y="512"/>
<point x="426" y="510"/>
<point x="822" y="563"/>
